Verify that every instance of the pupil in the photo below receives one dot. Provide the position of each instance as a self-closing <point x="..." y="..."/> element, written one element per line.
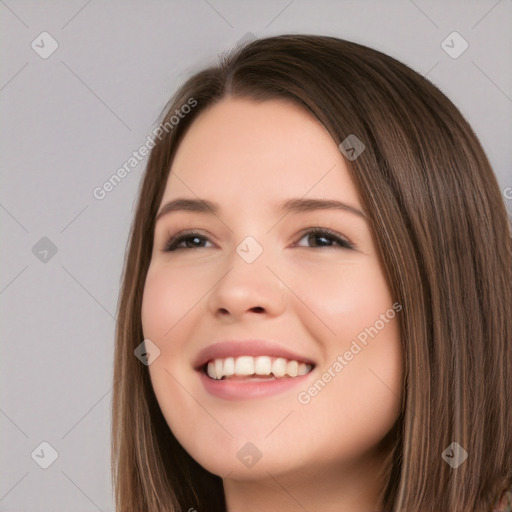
<point x="318" y="237"/>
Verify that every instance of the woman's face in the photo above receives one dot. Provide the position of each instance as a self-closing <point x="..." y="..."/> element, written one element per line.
<point x="253" y="290"/>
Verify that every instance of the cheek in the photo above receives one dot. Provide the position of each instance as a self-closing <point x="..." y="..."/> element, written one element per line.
<point x="168" y="317"/>
<point x="361" y="393"/>
<point x="348" y="296"/>
<point x="167" y="298"/>
<point x="356" y="395"/>
<point x="155" y="316"/>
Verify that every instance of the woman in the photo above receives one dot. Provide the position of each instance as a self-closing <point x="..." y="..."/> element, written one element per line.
<point x="320" y="269"/>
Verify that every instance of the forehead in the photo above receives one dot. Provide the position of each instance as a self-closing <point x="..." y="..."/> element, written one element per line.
<point x="243" y="150"/>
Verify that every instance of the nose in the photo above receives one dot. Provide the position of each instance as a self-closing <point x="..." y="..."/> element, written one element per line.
<point x="245" y="289"/>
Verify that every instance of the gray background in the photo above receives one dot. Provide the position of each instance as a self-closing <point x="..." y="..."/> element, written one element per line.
<point x="71" y="120"/>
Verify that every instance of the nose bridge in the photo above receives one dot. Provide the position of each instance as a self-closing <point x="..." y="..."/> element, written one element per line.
<point x="251" y="238"/>
<point x="250" y="249"/>
<point x="248" y="282"/>
<point x="255" y="248"/>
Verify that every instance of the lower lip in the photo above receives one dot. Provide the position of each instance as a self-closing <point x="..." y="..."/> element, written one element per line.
<point x="242" y="389"/>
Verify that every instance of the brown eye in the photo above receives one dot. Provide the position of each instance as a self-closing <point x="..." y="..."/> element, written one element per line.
<point x="319" y="237"/>
<point x="326" y="237"/>
<point x="192" y="240"/>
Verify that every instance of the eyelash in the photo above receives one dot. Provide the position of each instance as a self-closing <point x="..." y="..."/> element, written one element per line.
<point x="175" y="240"/>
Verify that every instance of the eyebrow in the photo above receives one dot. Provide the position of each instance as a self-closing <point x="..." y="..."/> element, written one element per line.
<point x="296" y="205"/>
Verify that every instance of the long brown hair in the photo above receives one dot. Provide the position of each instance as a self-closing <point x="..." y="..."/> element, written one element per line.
<point x="443" y="234"/>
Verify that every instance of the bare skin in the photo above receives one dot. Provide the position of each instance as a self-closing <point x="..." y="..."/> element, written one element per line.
<point x="320" y="450"/>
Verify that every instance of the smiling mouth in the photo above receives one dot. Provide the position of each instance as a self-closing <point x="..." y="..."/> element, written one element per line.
<point x="259" y="368"/>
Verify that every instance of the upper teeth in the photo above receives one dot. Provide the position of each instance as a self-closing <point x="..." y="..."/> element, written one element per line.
<point x="261" y="365"/>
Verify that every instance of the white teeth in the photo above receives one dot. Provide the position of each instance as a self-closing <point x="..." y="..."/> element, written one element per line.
<point x="218" y="363"/>
<point x="261" y="365"/>
<point x="244" y="365"/>
<point x="279" y="367"/>
<point x="303" y="369"/>
<point x="228" y="368"/>
<point x="210" y="370"/>
<point x="292" y="368"/>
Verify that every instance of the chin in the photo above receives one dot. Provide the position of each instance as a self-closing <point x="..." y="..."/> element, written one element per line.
<point x="240" y="459"/>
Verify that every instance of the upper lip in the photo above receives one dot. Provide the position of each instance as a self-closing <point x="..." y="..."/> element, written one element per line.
<point x="234" y="348"/>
